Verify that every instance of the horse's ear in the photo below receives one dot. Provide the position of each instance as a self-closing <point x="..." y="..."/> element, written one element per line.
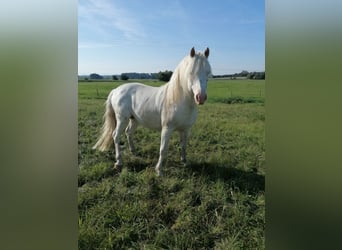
<point x="206" y="52"/>
<point x="192" y="52"/>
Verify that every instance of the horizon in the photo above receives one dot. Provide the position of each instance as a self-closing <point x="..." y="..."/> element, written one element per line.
<point x="121" y="37"/>
<point x="118" y="74"/>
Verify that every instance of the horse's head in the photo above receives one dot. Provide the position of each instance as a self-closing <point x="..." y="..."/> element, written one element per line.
<point x="199" y="72"/>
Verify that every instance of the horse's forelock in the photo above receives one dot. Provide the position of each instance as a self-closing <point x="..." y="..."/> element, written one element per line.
<point x="199" y="61"/>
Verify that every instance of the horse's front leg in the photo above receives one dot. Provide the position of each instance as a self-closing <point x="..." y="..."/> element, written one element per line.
<point x="184" y="135"/>
<point x="165" y="137"/>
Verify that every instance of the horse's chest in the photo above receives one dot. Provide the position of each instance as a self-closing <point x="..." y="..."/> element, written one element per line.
<point x="185" y="118"/>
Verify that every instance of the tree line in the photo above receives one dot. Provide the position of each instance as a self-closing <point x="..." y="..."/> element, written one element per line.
<point x="244" y="73"/>
<point x="165" y="76"/>
<point x="161" y="76"/>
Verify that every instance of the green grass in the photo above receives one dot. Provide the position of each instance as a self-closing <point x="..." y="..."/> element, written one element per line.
<point x="236" y="91"/>
<point x="217" y="202"/>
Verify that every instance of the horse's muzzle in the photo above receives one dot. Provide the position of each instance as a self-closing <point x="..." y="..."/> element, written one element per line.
<point x="200" y="99"/>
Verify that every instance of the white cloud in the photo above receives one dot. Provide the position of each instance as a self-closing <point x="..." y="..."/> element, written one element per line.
<point x="103" y="16"/>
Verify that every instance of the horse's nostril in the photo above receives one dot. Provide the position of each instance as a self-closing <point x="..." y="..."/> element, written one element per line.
<point x="200" y="99"/>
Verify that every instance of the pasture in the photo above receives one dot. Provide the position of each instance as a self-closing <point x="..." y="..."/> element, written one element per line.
<point x="217" y="202"/>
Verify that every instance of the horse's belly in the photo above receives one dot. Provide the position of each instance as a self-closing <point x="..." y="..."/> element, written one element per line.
<point x="149" y="118"/>
<point x="149" y="121"/>
<point x="146" y="106"/>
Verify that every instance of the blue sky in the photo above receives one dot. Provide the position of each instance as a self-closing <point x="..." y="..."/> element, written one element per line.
<point x="116" y="36"/>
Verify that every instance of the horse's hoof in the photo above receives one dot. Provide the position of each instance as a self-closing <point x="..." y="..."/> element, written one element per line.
<point x="118" y="167"/>
<point x="159" y="173"/>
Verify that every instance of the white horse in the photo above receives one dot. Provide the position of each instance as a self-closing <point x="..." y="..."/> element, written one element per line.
<point x="172" y="106"/>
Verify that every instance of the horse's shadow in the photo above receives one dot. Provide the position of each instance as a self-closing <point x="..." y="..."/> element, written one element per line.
<point x="138" y="164"/>
<point x="247" y="181"/>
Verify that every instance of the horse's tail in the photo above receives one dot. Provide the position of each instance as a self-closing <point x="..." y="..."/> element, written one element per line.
<point x="106" y="139"/>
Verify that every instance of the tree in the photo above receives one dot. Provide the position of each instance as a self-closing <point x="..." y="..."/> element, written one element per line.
<point x="244" y="73"/>
<point x="165" y="76"/>
<point x="124" y="77"/>
<point x="256" y="75"/>
<point x="251" y="75"/>
<point x="114" y="77"/>
<point x="261" y="75"/>
<point x="95" y="76"/>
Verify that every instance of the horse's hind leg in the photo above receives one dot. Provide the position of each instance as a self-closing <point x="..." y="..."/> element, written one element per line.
<point x="121" y="123"/>
<point x="129" y="133"/>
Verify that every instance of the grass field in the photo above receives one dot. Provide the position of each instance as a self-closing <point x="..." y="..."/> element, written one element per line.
<point x="217" y="202"/>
